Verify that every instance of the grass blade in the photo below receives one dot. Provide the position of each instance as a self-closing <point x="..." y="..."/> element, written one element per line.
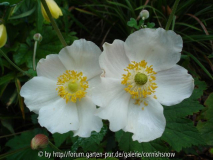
<point x="172" y="14"/>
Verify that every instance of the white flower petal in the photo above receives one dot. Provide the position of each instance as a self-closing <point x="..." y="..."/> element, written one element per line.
<point x="92" y="84"/>
<point x="158" y="47"/>
<point x="174" y="85"/>
<point x="88" y="122"/>
<point x="147" y="124"/>
<point x="51" y="67"/>
<point x="116" y="111"/>
<point x="82" y="56"/>
<point x="107" y="90"/>
<point x="59" y="116"/>
<point x="113" y="60"/>
<point x="38" y="92"/>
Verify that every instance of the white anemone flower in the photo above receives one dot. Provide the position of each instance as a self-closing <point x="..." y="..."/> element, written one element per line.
<point x="61" y="93"/>
<point x="140" y="75"/>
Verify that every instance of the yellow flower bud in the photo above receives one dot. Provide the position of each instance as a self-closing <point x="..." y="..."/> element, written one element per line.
<point x="3" y="35"/>
<point x="54" y="10"/>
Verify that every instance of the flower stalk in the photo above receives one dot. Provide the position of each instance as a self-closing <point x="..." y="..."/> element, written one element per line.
<point x="54" y="147"/>
<point x="34" y="55"/>
<point x="13" y="64"/>
<point x="44" y="3"/>
<point x="38" y="38"/>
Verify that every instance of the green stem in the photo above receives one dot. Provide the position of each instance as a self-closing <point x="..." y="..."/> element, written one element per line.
<point x="13" y="64"/>
<point x="34" y="55"/>
<point x="54" y="23"/>
<point x="54" y="147"/>
<point x="172" y="14"/>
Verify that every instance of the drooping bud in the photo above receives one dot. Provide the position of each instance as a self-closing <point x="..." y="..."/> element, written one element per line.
<point x="144" y="14"/>
<point x="3" y="35"/>
<point x="37" y="37"/>
<point x="40" y="141"/>
<point x="54" y="10"/>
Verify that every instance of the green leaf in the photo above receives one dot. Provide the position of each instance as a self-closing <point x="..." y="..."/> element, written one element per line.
<point x="60" y="138"/>
<point x="34" y="118"/>
<point x="25" y="14"/>
<point x="7" y="124"/>
<point x="23" y="55"/>
<point x="89" y="144"/>
<point x="7" y="78"/>
<point x="133" y="23"/>
<point x="10" y="2"/>
<point x="150" y="25"/>
<point x="181" y="133"/>
<point x="40" y="131"/>
<point x="206" y="128"/>
<point x="31" y="72"/>
<point x="23" y="141"/>
<point x="4" y="4"/>
<point x="200" y="86"/>
<point x="23" y="9"/>
<point x="126" y="144"/>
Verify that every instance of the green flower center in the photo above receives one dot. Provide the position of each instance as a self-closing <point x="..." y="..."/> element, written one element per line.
<point x="73" y="86"/>
<point x="141" y="78"/>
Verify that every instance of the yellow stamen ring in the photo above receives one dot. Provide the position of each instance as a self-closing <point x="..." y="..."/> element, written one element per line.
<point x="140" y="81"/>
<point x="72" y="85"/>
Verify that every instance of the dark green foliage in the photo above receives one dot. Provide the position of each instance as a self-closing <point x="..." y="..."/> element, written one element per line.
<point x="23" y="142"/>
<point x="189" y="124"/>
<point x="206" y="128"/>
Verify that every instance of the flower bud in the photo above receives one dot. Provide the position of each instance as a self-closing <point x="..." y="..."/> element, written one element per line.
<point x="37" y="37"/>
<point x="3" y="35"/>
<point x="144" y="14"/>
<point x="40" y="141"/>
<point x="54" y="10"/>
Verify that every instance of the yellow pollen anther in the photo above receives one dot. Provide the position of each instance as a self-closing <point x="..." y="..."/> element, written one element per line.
<point x="139" y="81"/>
<point x="72" y="86"/>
